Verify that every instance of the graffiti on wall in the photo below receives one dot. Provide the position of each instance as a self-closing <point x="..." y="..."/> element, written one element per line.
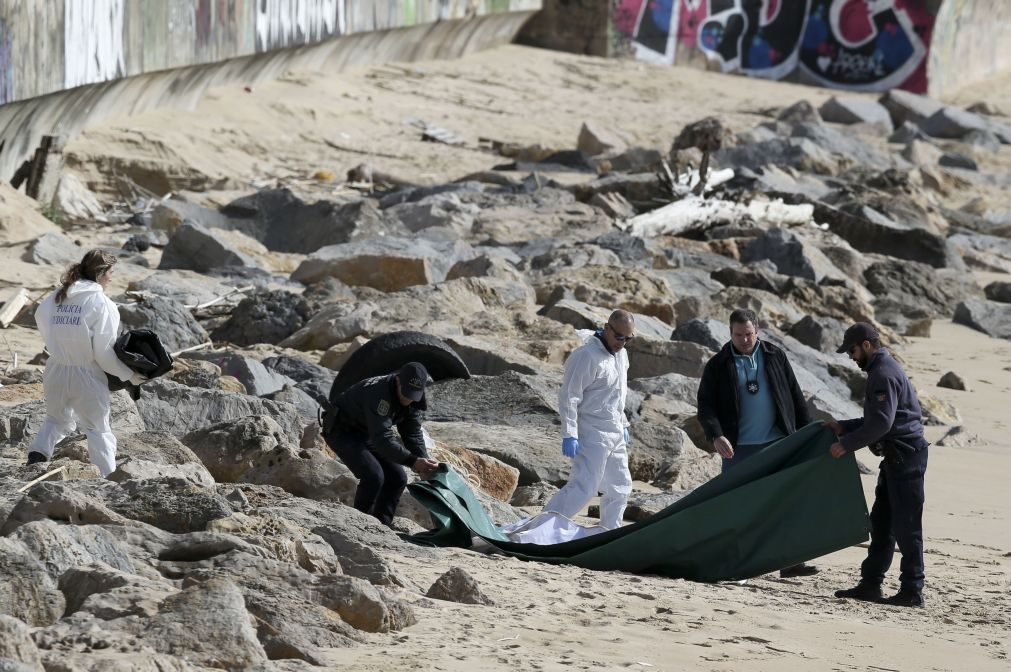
<point x="756" y="37"/>
<point x="6" y="65"/>
<point x="863" y="44"/>
<point x="853" y="44"/>
<point x="282" y="23"/>
<point x="93" y="41"/>
<point x="652" y="27"/>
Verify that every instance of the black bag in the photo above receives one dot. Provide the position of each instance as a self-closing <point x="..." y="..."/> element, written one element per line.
<point x="143" y="352"/>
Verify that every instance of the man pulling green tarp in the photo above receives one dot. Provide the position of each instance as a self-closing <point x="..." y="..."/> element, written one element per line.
<point x="790" y="503"/>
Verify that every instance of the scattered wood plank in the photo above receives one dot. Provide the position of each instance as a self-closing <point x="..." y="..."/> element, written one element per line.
<point x="13" y="304"/>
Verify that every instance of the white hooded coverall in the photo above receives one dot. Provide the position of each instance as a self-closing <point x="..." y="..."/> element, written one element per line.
<point x="80" y="334"/>
<point x="592" y="408"/>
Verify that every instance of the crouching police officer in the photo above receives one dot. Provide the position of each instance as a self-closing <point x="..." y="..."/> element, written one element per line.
<point x="359" y="427"/>
<point x="891" y="427"/>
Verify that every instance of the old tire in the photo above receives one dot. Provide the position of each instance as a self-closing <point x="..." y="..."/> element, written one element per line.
<point x="387" y="353"/>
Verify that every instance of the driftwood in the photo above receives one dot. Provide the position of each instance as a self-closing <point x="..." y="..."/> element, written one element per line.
<point x="58" y="470"/>
<point x="206" y="344"/>
<point x="237" y="290"/>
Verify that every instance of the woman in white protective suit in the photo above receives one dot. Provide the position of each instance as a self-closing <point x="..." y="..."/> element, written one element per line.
<point x="79" y="325"/>
<point x="594" y="429"/>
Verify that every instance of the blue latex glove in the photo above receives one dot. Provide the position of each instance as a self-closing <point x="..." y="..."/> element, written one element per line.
<point x="570" y="446"/>
<point x="627" y="437"/>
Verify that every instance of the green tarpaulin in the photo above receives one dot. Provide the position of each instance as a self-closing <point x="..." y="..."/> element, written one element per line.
<point x="790" y="503"/>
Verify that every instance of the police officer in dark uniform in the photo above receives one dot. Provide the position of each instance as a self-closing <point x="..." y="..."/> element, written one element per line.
<point x="359" y="427"/>
<point x="892" y="428"/>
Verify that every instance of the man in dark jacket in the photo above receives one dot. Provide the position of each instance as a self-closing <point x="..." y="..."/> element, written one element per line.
<point x="893" y="429"/>
<point x="359" y="427"/>
<point x="749" y="398"/>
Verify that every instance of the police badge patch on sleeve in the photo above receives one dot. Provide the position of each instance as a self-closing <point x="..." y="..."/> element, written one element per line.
<point x="383" y="408"/>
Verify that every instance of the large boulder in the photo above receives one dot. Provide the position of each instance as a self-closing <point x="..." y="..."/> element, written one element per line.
<point x="800" y="153"/>
<point x="488" y="356"/>
<point x="174" y="324"/>
<point x="61" y="502"/>
<point x="904" y="107"/>
<point x="170" y="504"/>
<point x="868" y="230"/>
<point x="313" y="379"/>
<point x="196" y="248"/>
<point x="311" y="475"/>
<point x="17" y="647"/>
<point x="231" y="448"/>
<point x="493" y="476"/>
<point x="439" y="210"/>
<point x="388" y="264"/>
<point x="790" y="255"/>
<point x="534" y="451"/>
<point x="510" y="398"/>
<point x="637" y="290"/>
<point x="998" y="291"/>
<point x="983" y="252"/>
<point x="952" y="122"/>
<point x="284" y="223"/>
<point x="257" y="379"/>
<point x="990" y="317"/>
<point x="855" y="110"/>
<point x="208" y="624"/>
<point x="446" y="309"/>
<point x="178" y="409"/>
<point x="111" y="593"/>
<point x="132" y="469"/>
<point x="55" y="249"/>
<point x="584" y="316"/>
<point x="186" y="287"/>
<point x="846" y="149"/>
<point x="649" y="357"/>
<point x="264" y="317"/>
<point x="708" y="333"/>
<point x="30" y="595"/>
<point x="917" y="286"/>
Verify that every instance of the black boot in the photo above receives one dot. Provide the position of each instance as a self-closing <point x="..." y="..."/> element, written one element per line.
<point x="906" y="597"/>
<point x="866" y="592"/>
<point x="800" y="569"/>
<point x="34" y="457"/>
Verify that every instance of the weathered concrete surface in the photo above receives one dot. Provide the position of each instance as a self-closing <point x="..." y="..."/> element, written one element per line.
<point x="66" y="69"/>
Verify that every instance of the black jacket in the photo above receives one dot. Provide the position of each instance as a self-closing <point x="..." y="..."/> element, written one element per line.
<point x="891" y="408"/>
<point x="372" y="408"/>
<point x="718" y="402"/>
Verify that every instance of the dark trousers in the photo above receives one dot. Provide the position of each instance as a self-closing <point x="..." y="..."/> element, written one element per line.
<point x="381" y="483"/>
<point x="897" y="517"/>
<point x="741" y="453"/>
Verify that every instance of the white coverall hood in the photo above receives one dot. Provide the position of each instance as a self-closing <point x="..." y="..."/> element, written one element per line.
<point x="591" y="403"/>
<point x="79" y="334"/>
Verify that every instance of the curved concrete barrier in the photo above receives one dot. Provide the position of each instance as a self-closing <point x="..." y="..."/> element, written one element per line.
<point x="970" y="43"/>
<point x="67" y="112"/>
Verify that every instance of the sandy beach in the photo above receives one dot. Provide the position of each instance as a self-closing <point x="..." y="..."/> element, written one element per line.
<point x="549" y="617"/>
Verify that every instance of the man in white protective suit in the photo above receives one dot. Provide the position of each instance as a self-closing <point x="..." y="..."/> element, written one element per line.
<point x="79" y="325"/>
<point x="594" y="429"/>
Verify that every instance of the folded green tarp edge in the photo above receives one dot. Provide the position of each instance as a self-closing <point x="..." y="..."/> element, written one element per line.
<point x="790" y="503"/>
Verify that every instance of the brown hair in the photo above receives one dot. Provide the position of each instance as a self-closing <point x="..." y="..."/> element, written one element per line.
<point x="95" y="263"/>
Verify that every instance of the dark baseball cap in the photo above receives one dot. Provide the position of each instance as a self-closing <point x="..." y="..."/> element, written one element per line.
<point x="857" y="334"/>
<point x="413" y="378"/>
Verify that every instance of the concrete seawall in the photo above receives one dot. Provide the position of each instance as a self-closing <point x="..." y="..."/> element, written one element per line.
<point x="65" y="64"/>
<point x="971" y="42"/>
